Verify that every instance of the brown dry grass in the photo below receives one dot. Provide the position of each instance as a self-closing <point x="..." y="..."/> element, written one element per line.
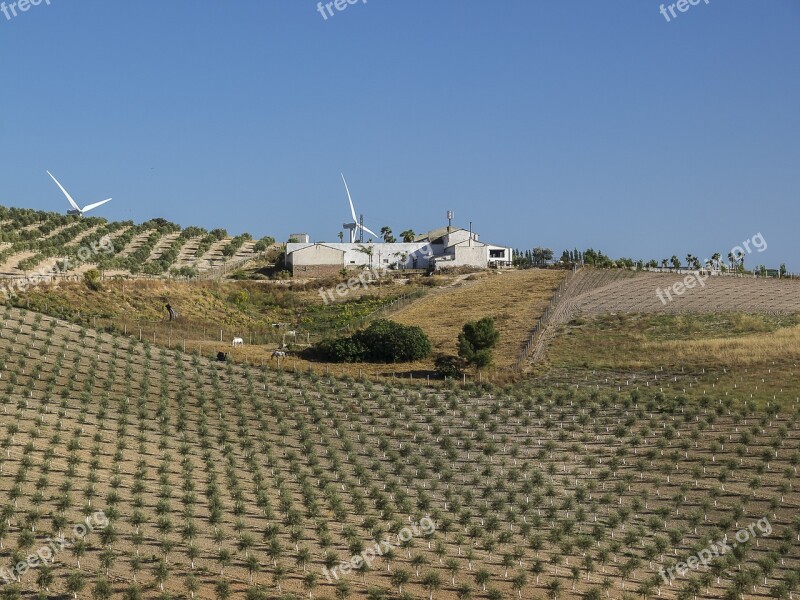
<point x="644" y="341"/>
<point x="516" y="299"/>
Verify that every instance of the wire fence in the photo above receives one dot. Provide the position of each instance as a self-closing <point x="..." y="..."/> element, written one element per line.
<point x="542" y="322"/>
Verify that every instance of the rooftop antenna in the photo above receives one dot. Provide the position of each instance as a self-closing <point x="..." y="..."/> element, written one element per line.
<point x="450" y="216"/>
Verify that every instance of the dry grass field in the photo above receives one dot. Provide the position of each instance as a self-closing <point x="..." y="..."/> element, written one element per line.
<point x="515" y="299"/>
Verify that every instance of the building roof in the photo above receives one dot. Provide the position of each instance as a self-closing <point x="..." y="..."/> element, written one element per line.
<point x="436" y="234"/>
<point x="306" y="245"/>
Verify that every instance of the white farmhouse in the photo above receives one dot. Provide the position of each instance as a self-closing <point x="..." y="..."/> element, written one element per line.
<point x="442" y="248"/>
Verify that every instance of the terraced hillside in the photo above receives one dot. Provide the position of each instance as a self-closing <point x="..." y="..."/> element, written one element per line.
<point x="38" y="245"/>
<point x="221" y="481"/>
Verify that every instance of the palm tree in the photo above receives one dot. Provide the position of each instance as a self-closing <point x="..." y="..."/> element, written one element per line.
<point x="340" y="235"/>
<point x="408" y="235"/>
<point x="386" y="232"/>
<point x="369" y="251"/>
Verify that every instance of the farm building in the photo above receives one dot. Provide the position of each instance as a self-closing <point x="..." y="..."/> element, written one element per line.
<point x="439" y="249"/>
<point x="455" y="247"/>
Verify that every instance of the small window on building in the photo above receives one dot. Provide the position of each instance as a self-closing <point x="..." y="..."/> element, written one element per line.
<point x="497" y="253"/>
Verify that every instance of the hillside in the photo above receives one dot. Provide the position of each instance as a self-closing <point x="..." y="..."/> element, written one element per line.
<point x="222" y="479"/>
<point x="35" y="243"/>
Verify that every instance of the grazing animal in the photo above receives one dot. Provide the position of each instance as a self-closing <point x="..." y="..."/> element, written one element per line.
<point x="222" y="356"/>
<point x="238" y="342"/>
<point x="279" y="354"/>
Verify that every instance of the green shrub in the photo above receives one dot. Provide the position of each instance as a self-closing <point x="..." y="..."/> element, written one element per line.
<point x="449" y="366"/>
<point x="388" y="341"/>
<point x="263" y="244"/>
<point x="383" y="341"/>
<point x="92" y="280"/>
<point x="339" y="350"/>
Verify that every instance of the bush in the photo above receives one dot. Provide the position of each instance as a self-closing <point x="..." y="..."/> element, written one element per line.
<point x="388" y="341"/>
<point x="187" y="272"/>
<point x="449" y="366"/>
<point x="263" y="244"/>
<point x="92" y="280"/>
<point x="383" y="341"/>
<point x="339" y="350"/>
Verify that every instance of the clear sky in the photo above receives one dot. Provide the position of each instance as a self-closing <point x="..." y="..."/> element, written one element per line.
<point x="558" y="123"/>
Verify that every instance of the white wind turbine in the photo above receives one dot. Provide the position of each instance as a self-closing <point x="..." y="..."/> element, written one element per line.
<point x="357" y="223"/>
<point x="77" y="210"/>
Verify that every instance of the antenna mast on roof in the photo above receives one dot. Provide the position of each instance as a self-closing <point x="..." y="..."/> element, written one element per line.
<point x="450" y="216"/>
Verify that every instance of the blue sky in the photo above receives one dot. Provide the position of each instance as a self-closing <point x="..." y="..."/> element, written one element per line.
<point x="554" y="123"/>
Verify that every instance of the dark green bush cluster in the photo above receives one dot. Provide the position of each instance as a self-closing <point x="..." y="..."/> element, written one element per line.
<point x="383" y="341"/>
<point x="449" y="366"/>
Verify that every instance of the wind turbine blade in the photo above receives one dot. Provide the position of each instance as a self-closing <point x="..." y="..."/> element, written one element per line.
<point x="61" y="187"/>
<point x="352" y="208"/>
<point x="377" y="237"/>
<point x="95" y="205"/>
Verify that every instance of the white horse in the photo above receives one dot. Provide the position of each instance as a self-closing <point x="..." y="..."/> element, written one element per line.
<point x="238" y="342"/>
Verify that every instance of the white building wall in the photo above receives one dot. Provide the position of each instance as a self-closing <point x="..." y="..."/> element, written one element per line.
<point x="414" y="255"/>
